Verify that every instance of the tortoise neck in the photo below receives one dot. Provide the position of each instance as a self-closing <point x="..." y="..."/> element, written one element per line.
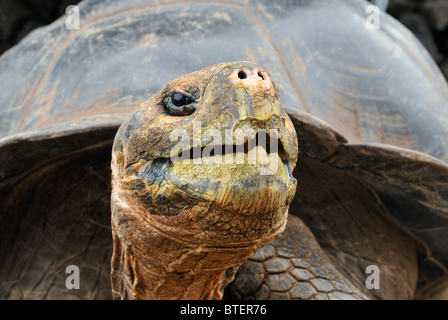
<point x="153" y="260"/>
<point x="137" y="280"/>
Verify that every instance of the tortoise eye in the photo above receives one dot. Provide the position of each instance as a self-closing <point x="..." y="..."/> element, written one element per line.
<point x="180" y="103"/>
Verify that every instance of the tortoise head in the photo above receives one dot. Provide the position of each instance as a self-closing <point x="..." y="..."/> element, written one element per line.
<point x="202" y="177"/>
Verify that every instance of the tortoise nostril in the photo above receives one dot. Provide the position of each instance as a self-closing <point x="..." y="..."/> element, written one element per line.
<point x="261" y="75"/>
<point x="242" y="75"/>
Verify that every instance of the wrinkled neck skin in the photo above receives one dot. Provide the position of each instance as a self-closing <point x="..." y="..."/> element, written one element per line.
<point x="133" y="279"/>
<point x="153" y="260"/>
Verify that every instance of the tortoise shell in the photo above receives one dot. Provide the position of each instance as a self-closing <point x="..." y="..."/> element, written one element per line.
<point x="370" y="103"/>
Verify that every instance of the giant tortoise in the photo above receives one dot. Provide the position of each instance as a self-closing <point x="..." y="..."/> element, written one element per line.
<point x="360" y="120"/>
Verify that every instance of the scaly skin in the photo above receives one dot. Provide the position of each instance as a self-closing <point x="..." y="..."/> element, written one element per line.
<point x="178" y="226"/>
<point x="292" y="267"/>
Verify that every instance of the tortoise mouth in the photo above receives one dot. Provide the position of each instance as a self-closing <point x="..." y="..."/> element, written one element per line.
<point x="251" y="177"/>
<point x="240" y="189"/>
<point x="269" y="144"/>
<point x="262" y="149"/>
<point x="254" y="151"/>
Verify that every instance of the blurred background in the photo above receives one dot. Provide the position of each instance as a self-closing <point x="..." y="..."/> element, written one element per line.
<point x="427" y="19"/>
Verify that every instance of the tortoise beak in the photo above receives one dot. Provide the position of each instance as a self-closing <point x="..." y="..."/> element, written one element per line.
<point x="258" y="107"/>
